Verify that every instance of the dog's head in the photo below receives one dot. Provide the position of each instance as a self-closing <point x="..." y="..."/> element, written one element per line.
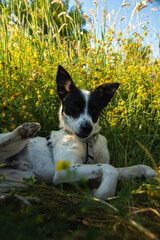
<point x="81" y="108"/>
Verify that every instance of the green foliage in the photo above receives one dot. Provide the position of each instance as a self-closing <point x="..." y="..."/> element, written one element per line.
<point x="33" y="42"/>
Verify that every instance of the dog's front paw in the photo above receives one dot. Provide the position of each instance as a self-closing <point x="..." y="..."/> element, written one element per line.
<point x="28" y="130"/>
<point x="147" y="171"/>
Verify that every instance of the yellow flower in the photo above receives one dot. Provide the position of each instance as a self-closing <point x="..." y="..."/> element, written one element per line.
<point x="123" y="102"/>
<point x="12" y="98"/>
<point x="147" y="46"/>
<point x="26" y="98"/>
<point x="51" y="91"/>
<point x="121" y="108"/>
<point x="109" y="32"/>
<point x="12" y="119"/>
<point x="4" y="103"/>
<point x="37" y="103"/>
<point x="3" y="115"/>
<point x="23" y="107"/>
<point x="62" y="165"/>
<point x="113" y="124"/>
<point x="39" y="96"/>
<point x="119" y="33"/>
<point x="125" y="47"/>
<point x="13" y="126"/>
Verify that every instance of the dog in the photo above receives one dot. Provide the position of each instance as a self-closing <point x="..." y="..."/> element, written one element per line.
<point x="78" y="145"/>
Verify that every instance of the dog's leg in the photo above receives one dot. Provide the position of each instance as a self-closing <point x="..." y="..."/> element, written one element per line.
<point x="136" y="171"/>
<point x="11" y="179"/>
<point x="108" y="173"/>
<point x="13" y="142"/>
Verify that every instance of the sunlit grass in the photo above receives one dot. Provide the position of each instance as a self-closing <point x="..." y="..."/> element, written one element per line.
<point x="28" y="65"/>
<point x="131" y="122"/>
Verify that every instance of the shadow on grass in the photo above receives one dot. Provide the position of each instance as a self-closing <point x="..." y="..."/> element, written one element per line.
<point x="68" y="212"/>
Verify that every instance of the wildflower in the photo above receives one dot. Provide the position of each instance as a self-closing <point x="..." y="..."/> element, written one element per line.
<point x="113" y="124"/>
<point x="158" y="74"/>
<point x="13" y="126"/>
<point x="123" y="102"/>
<point x="39" y="96"/>
<point x="125" y="47"/>
<point x="119" y="33"/>
<point x="121" y="108"/>
<point x="147" y="46"/>
<point x="3" y="115"/>
<point x="37" y="103"/>
<point x="11" y="98"/>
<point x="4" y="103"/>
<point x="62" y="165"/>
<point x="23" y="107"/>
<point x="109" y="32"/>
<point x="26" y="98"/>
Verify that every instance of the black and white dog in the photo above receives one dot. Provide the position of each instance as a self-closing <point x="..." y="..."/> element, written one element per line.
<point x="78" y="143"/>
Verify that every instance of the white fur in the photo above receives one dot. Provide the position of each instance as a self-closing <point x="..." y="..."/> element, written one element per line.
<point x="35" y="158"/>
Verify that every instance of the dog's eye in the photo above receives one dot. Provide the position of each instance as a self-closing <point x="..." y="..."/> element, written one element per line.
<point x="73" y="110"/>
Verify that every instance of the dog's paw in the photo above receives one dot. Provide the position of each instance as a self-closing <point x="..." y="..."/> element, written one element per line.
<point x="28" y="130"/>
<point x="147" y="171"/>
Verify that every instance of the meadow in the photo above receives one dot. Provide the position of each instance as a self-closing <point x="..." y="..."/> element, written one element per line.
<point x="29" y="57"/>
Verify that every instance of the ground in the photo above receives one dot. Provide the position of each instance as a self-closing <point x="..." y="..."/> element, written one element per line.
<point x="69" y="212"/>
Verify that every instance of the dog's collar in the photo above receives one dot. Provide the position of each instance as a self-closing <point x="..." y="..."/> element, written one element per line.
<point x="89" y="142"/>
<point x="90" y="149"/>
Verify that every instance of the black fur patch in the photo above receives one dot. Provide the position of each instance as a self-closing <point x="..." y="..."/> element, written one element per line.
<point x="100" y="98"/>
<point x="74" y="103"/>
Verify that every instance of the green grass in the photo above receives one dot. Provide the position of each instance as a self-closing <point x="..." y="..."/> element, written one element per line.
<point x="131" y="123"/>
<point x="68" y="212"/>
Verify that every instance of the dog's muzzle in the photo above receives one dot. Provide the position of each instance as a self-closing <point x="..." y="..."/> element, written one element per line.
<point x="85" y="130"/>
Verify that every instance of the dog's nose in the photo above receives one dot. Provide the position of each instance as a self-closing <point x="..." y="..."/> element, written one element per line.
<point x="86" y="127"/>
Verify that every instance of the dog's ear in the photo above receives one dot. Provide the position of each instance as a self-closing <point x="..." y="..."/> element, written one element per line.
<point x="64" y="82"/>
<point x="105" y="92"/>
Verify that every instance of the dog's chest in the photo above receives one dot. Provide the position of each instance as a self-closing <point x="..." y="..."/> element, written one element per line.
<point x="68" y="147"/>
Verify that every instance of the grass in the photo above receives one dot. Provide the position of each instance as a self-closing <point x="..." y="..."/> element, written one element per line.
<point x="28" y="65"/>
<point x="68" y="212"/>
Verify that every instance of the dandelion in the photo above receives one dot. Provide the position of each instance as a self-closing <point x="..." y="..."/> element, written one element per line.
<point x="62" y="165"/>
